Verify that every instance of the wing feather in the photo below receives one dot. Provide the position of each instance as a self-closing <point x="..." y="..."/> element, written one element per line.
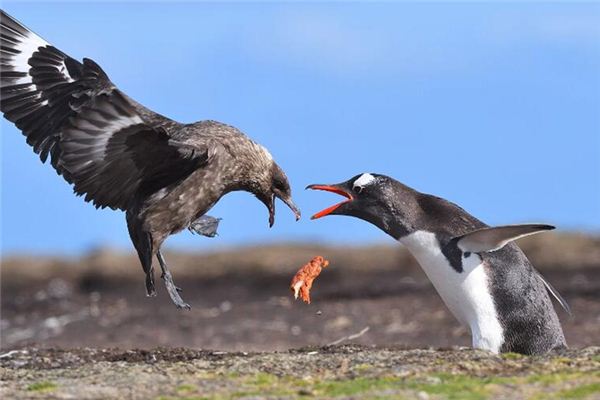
<point x="563" y="303"/>
<point x="494" y="238"/>
<point x="95" y="135"/>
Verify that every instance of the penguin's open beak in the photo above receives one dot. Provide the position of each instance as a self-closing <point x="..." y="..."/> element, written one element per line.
<point x="339" y="189"/>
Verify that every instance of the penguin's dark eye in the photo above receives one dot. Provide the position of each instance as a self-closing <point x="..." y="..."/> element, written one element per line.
<point x="357" y="189"/>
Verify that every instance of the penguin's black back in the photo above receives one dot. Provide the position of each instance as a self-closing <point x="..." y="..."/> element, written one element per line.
<point x="524" y="307"/>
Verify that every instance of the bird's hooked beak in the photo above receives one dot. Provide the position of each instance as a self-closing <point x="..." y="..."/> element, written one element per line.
<point x="339" y="188"/>
<point x="288" y="202"/>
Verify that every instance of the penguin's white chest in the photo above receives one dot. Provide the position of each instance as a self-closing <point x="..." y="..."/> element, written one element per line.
<point x="466" y="294"/>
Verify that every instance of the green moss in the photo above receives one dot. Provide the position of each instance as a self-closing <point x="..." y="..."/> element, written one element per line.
<point x="43" y="386"/>
<point x="356" y="386"/>
<point x="556" y="377"/>
<point x="184" y="398"/>
<point x="580" y="392"/>
<point x="362" y="367"/>
<point x="264" y="379"/>
<point x="186" y="388"/>
<point x="442" y="386"/>
<point x="232" y="375"/>
<point x="458" y="386"/>
<point x="512" y="356"/>
<point x="445" y="386"/>
<point x="562" y="360"/>
<point x="267" y="384"/>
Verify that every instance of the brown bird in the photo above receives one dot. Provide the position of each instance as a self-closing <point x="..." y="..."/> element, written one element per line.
<point x="164" y="174"/>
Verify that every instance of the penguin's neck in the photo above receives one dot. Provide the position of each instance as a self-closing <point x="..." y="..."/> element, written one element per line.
<point x="465" y="293"/>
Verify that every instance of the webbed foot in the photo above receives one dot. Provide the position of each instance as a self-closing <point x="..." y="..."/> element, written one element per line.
<point x="172" y="289"/>
<point x="205" y="226"/>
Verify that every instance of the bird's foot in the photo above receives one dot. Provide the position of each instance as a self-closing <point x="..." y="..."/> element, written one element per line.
<point x="205" y="226"/>
<point x="174" y="291"/>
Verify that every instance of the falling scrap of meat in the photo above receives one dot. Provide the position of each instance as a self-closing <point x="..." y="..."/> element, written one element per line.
<point x="303" y="280"/>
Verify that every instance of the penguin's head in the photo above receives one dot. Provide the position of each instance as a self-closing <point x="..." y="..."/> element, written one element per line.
<point x="375" y="198"/>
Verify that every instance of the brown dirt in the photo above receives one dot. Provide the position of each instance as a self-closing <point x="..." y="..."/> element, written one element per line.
<point x="241" y="300"/>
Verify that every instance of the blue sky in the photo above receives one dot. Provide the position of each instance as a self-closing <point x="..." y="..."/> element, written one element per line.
<point x="493" y="106"/>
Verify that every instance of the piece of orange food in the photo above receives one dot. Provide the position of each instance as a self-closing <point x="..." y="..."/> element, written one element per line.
<point x="303" y="280"/>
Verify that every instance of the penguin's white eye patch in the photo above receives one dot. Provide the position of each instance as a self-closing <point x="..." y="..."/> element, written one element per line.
<point x="364" y="180"/>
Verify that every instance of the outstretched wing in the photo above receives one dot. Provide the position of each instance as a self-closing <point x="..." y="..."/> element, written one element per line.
<point x="496" y="237"/>
<point x="110" y="148"/>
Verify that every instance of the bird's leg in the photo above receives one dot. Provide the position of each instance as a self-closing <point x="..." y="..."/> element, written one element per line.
<point x="171" y="288"/>
<point x="143" y="244"/>
<point x="150" y="290"/>
<point x="205" y="226"/>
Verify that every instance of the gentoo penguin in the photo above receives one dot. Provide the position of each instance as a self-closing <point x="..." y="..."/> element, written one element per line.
<point x="164" y="174"/>
<point x="485" y="280"/>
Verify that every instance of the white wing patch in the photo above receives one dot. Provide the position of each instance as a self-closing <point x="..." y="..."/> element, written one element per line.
<point x="364" y="180"/>
<point x="466" y="294"/>
<point x="28" y="44"/>
<point x="82" y="134"/>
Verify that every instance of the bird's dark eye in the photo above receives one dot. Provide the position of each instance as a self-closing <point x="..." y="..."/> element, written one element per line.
<point x="279" y="185"/>
<point x="357" y="189"/>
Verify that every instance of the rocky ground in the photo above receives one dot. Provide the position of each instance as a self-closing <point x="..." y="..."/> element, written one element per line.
<point x="69" y="327"/>
<point x="349" y="371"/>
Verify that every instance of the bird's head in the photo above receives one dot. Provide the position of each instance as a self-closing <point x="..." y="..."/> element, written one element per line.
<point x="375" y="198"/>
<point x="275" y="185"/>
<point x="254" y="170"/>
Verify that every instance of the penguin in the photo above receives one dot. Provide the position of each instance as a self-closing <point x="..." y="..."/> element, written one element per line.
<point x="482" y="276"/>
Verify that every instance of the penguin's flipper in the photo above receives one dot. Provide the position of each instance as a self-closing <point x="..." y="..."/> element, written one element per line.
<point x="563" y="303"/>
<point x="492" y="239"/>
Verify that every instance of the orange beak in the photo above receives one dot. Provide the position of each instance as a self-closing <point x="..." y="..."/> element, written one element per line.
<point x="333" y="189"/>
